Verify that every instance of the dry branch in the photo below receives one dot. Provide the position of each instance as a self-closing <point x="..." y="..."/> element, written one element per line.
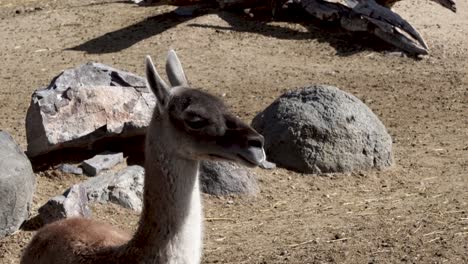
<point x="369" y="16"/>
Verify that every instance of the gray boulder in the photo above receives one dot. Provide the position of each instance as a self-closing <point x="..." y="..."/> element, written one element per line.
<point x="224" y="178"/>
<point x="87" y="104"/>
<point x="17" y="185"/>
<point x="321" y="129"/>
<point x="73" y="203"/>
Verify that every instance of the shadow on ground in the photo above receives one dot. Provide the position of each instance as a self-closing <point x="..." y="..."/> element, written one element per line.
<point x="345" y="43"/>
<point x="132" y="148"/>
<point x="126" y="37"/>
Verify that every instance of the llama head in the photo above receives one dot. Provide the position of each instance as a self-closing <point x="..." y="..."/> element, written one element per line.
<point x="199" y="124"/>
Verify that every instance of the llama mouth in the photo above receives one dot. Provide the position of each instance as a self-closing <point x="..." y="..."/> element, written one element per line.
<point x="247" y="161"/>
<point x="252" y="156"/>
<point x="239" y="158"/>
<point x="249" y="157"/>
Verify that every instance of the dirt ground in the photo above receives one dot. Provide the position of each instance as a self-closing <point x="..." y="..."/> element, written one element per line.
<point x="415" y="212"/>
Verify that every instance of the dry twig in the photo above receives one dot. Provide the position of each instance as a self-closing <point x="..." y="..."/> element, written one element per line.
<point x="337" y="240"/>
<point x="302" y="243"/>
<point x="432" y="240"/>
<point x="212" y="219"/>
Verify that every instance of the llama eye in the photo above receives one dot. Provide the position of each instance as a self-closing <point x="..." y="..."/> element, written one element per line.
<point x="197" y="123"/>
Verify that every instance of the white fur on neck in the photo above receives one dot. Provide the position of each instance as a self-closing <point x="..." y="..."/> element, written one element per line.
<point x="186" y="246"/>
<point x="170" y="229"/>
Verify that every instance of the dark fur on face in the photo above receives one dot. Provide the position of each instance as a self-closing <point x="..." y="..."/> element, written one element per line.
<point x="206" y="118"/>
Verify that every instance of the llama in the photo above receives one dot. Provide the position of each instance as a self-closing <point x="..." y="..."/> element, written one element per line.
<point x="187" y="126"/>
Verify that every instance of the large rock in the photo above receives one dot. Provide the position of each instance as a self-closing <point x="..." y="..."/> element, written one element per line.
<point x="321" y="129"/>
<point x="224" y="178"/>
<point x="17" y="185"/>
<point x="87" y="104"/>
<point x="73" y="203"/>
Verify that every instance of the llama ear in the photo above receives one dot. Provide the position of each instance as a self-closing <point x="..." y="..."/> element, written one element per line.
<point x="174" y="70"/>
<point x="156" y="83"/>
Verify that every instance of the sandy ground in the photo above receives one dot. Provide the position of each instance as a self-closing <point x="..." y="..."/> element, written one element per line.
<point x="415" y="212"/>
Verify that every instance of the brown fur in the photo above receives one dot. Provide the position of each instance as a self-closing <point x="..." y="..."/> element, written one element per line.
<point x="75" y="236"/>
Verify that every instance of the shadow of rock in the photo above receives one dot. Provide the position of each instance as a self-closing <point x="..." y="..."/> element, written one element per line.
<point x="126" y="37"/>
<point x="346" y="43"/>
<point x="132" y="147"/>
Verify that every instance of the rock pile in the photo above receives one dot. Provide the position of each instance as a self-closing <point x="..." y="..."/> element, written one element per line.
<point x="317" y="129"/>
<point x="125" y="188"/>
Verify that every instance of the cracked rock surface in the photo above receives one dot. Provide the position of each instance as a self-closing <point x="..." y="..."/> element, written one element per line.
<point x="321" y="129"/>
<point x="87" y="104"/>
<point x="124" y="188"/>
<point x="73" y="203"/>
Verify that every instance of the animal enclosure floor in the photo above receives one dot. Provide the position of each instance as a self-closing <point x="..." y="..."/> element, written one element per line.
<point x="415" y="212"/>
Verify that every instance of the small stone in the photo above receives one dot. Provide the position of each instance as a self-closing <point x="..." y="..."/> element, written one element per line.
<point x="103" y="161"/>
<point x="71" y="169"/>
<point x="399" y="54"/>
<point x="73" y="203"/>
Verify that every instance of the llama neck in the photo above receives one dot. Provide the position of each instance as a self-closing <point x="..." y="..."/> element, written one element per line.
<point x="170" y="225"/>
